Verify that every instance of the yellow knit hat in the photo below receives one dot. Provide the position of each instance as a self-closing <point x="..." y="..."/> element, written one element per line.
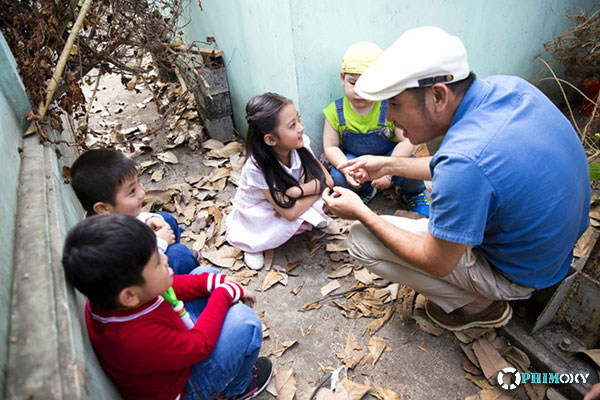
<point x="359" y="57"/>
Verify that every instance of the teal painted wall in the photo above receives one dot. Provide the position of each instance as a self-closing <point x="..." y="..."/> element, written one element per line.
<point x="13" y="105"/>
<point x="258" y="39"/>
<point x="295" y="47"/>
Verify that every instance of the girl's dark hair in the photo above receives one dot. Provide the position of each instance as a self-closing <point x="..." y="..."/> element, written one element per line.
<point x="104" y="254"/>
<point x="262" y="115"/>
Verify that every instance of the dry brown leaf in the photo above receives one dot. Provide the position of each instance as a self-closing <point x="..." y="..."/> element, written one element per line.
<point x="337" y="226"/>
<point x="291" y="266"/>
<point x="313" y="251"/>
<point x="298" y="288"/>
<point x="469" y="367"/>
<point x="352" y="353"/>
<point x="245" y="276"/>
<point x="335" y="247"/>
<point x="313" y="305"/>
<point x="427" y="326"/>
<point x="377" y="323"/>
<point x="153" y="197"/>
<point x="517" y="358"/>
<point x="212" y="144"/>
<point x="468" y="335"/>
<point x="285" y="384"/>
<point x="271" y="278"/>
<point x="482" y="383"/>
<point x="224" y="257"/>
<point x="268" y="254"/>
<point x="386" y="394"/>
<point x="584" y="245"/>
<point x="594" y="354"/>
<point x="157" y="175"/>
<point x="363" y="276"/>
<point x="376" y="347"/>
<point x="468" y="350"/>
<point x="279" y="350"/>
<point x="490" y="394"/>
<point x="353" y="390"/>
<point x="489" y="359"/>
<point x="219" y="173"/>
<point x="168" y="157"/>
<point x="341" y="272"/>
<point x="226" y="151"/>
<point x="330" y="287"/>
<point x="216" y="213"/>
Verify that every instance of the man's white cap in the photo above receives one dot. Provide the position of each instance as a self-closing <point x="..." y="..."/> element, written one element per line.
<point x="420" y="57"/>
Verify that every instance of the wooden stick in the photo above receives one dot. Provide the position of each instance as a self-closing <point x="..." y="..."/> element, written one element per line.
<point x="60" y="65"/>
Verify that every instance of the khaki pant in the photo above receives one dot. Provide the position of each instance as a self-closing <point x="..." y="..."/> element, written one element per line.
<point x="473" y="276"/>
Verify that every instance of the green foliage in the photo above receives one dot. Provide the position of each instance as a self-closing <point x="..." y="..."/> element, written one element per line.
<point x="594" y="171"/>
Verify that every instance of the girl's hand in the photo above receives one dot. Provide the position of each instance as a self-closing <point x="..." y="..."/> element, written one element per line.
<point x="156" y="223"/>
<point x="382" y="183"/>
<point x="350" y="179"/>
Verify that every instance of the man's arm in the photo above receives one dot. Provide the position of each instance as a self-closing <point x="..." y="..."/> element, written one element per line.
<point x="431" y="255"/>
<point x="368" y="168"/>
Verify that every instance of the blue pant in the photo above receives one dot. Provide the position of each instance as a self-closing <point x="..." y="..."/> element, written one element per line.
<point x="228" y="369"/>
<point x="181" y="258"/>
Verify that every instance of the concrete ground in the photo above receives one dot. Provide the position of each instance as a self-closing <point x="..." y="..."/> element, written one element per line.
<point x="416" y="365"/>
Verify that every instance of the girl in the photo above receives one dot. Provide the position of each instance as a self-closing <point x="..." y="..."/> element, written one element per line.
<point x="279" y="192"/>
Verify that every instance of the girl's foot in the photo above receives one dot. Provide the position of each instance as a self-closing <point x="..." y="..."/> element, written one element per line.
<point x="254" y="260"/>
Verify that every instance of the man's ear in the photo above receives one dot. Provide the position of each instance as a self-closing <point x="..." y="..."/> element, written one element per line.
<point x="129" y="297"/>
<point x="101" y="207"/>
<point x="342" y="77"/>
<point x="440" y="95"/>
<point x="270" y="139"/>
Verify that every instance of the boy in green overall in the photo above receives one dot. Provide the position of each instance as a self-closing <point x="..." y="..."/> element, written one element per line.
<point x="355" y="127"/>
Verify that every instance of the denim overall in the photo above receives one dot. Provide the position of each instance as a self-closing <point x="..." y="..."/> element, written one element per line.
<point x="374" y="142"/>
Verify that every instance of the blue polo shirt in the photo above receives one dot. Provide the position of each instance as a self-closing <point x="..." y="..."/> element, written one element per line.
<point x="511" y="178"/>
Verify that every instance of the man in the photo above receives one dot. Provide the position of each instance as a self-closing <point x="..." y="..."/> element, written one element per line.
<point x="510" y="184"/>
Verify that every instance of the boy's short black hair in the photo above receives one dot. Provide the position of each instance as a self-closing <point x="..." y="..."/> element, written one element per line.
<point x="97" y="174"/>
<point x="104" y="254"/>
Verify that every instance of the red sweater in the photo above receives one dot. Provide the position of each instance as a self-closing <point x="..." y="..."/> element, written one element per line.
<point x="147" y="351"/>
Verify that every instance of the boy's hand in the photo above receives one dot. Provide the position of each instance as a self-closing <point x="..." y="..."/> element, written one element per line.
<point x="249" y="298"/>
<point x="156" y="223"/>
<point x="166" y="234"/>
<point x="382" y="183"/>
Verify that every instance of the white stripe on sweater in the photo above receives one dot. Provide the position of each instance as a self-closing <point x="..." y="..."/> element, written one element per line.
<point x="126" y="318"/>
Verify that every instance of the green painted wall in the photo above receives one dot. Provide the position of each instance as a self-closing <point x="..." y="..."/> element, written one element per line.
<point x="258" y="38"/>
<point x="13" y="105"/>
<point x="295" y="47"/>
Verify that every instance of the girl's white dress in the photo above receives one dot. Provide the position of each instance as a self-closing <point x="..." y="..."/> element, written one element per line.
<point x="252" y="225"/>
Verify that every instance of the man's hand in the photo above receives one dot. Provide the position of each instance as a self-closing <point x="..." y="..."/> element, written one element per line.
<point x="365" y="168"/>
<point x="156" y="223"/>
<point x="382" y="183"/>
<point x="166" y="234"/>
<point x="344" y="202"/>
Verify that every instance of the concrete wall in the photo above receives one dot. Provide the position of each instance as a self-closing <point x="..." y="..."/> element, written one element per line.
<point x="13" y="105"/>
<point x="45" y="351"/>
<point x="295" y="47"/>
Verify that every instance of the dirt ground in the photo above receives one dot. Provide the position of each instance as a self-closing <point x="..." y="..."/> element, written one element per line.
<point x="414" y="364"/>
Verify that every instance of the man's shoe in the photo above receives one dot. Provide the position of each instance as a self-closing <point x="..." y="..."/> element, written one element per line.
<point x="261" y="375"/>
<point x="366" y="198"/>
<point x="495" y="315"/>
<point x="418" y="203"/>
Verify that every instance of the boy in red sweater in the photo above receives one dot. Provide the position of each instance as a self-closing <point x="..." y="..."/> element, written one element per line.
<point x="139" y="339"/>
